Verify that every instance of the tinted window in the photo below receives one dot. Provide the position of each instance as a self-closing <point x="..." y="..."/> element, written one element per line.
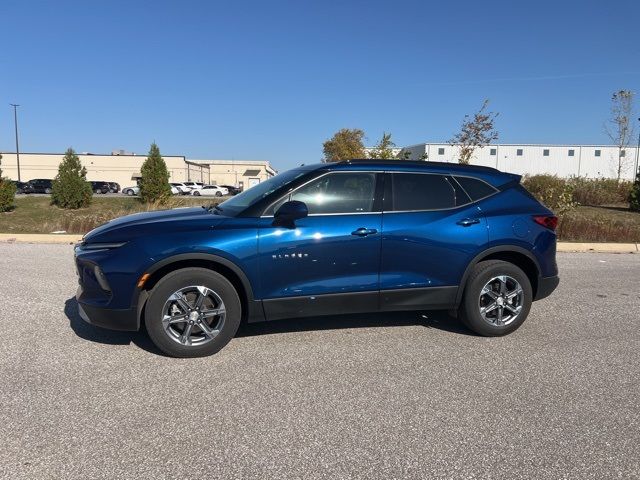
<point x="572" y="152"/>
<point x="338" y="193"/>
<point x="416" y="191"/>
<point x="441" y="151"/>
<point x="476" y="189"/>
<point x="545" y="152"/>
<point x="519" y="152"/>
<point x="597" y="153"/>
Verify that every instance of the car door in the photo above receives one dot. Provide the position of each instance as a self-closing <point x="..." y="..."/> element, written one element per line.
<point x="431" y="230"/>
<point x="328" y="262"/>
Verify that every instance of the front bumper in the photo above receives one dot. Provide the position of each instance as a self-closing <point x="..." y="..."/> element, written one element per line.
<point x="108" y="318"/>
<point x="546" y="286"/>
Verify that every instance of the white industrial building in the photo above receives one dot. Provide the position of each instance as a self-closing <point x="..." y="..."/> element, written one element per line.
<point x="591" y="161"/>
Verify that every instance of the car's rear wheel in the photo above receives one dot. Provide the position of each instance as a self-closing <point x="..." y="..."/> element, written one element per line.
<point x="497" y="298"/>
<point x="129" y="192"/>
<point x="192" y="312"/>
<point x="47" y="191"/>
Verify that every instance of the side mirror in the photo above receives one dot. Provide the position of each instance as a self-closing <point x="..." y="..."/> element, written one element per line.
<point x="289" y="212"/>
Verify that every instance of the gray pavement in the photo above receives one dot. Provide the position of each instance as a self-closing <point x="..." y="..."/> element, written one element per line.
<point x="378" y="396"/>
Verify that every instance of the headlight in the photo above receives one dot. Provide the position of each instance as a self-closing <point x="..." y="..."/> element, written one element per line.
<point x="100" y="246"/>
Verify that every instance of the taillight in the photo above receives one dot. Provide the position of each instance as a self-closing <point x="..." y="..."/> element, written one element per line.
<point x="547" y="221"/>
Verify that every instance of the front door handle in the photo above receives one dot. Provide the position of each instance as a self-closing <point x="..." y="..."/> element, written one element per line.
<point x="467" y="222"/>
<point x="363" y="232"/>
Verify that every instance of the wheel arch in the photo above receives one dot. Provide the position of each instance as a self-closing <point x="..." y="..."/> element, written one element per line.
<point x="251" y="309"/>
<point x="518" y="256"/>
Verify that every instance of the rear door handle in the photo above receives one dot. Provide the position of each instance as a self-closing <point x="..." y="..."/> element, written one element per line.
<point x="363" y="232"/>
<point x="467" y="222"/>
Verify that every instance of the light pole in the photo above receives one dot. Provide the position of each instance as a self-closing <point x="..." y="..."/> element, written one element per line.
<point x="15" y="121"/>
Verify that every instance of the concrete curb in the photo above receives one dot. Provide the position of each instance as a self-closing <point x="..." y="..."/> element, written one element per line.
<point x="599" y="247"/>
<point x="39" y="238"/>
<point x="562" y="246"/>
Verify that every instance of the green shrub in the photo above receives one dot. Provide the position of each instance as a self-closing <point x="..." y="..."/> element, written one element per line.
<point x="556" y="193"/>
<point x="70" y="188"/>
<point x="634" y="194"/>
<point x="7" y="193"/>
<point x="599" y="191"/>
<point x="154" y="184"/>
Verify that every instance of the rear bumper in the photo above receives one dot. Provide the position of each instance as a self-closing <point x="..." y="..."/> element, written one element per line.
<point x="546" y="286"/>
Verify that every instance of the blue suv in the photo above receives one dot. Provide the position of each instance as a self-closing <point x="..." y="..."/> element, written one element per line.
<point x="349" y="237"/>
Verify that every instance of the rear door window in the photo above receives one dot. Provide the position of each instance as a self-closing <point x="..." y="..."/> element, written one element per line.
<point x="419" y="191"/>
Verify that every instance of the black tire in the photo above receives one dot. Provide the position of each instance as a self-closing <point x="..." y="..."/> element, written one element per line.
<point x="47" y="191"/>
<point x="196" y="193"/>
<point x="130" y="192"/>
<point x="469" y="311"/>
<point x="98" y="191"/>
<point x="173" y="282"/>
<point x="218" y="194"/>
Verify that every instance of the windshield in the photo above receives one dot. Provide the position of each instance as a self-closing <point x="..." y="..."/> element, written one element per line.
<point x="256" y="193"/>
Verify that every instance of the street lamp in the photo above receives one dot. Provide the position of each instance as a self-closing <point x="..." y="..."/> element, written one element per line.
<point x="15" y="121"/>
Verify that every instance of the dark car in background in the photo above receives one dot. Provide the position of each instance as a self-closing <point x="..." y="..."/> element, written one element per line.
<point x="350" y="237"/>
<point x="114" y="187"/>
<point x="100" y="187"/>
<point x="40" y="185"/>
<point x="232" y="190"/>
<point x="22" y="187"/>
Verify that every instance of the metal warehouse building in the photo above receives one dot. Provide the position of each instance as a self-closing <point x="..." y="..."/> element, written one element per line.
<point x="562" y="160"/>
<point x="125" y="168"/>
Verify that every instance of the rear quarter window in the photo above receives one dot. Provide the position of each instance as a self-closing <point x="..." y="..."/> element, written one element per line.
<point x="475" y="188"/>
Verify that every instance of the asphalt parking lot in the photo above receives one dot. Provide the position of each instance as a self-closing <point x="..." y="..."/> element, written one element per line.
<point x="379" y="396"/>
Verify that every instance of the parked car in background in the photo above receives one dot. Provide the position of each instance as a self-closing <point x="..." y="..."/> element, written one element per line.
<point x="211" y="191"/>
<point x="194" y="185"/>
<point x="182" y="188"/>
<point x="131" y="191"/>
<point x="100" y="187"/>
<point x="22" y="187"/>
<point x="40" y="185"/>
<point x="114" y="187"/>
<point x="347" y="237"/>
<point x="232" y="190"/>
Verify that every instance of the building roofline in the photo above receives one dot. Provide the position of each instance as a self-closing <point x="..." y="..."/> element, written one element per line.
<point x="576" y="145"/>
<point x="90" y="154"/>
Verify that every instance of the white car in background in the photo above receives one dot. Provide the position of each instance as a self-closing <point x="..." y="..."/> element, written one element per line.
<point x="211" y="191"/>
<point x="194" y="185"/>
<point x="131" y="190"/>
<point x="181" y="188"/>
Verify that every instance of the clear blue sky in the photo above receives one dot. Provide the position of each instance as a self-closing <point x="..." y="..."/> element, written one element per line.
<point x="273" y="79"/>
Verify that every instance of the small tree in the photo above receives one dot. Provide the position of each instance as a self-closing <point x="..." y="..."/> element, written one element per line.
<point x="620" y="128"/>
<point x="344" y="145"/>
<point x="384" y="148"/>
<point x="475" y="133"/>
<point x="70" y="188"/>
<point x="154" y="184"/>
<point x="634" y="196"/>
<point x="7" y="192"/>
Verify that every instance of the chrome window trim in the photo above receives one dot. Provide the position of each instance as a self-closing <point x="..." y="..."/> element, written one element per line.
<point x="290" y="192"/>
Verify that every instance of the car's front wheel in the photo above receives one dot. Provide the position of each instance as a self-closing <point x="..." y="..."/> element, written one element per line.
<point x="497" y="298"/>
<point x="218" y="194"/>
<point x="129" y="192"/>
<point x="196" y="193"/>
<point x="192" y="312"/>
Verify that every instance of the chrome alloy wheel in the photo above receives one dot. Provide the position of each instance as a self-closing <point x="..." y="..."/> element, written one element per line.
<point x="501" y="300"/>
<point x="193" y="316"/>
